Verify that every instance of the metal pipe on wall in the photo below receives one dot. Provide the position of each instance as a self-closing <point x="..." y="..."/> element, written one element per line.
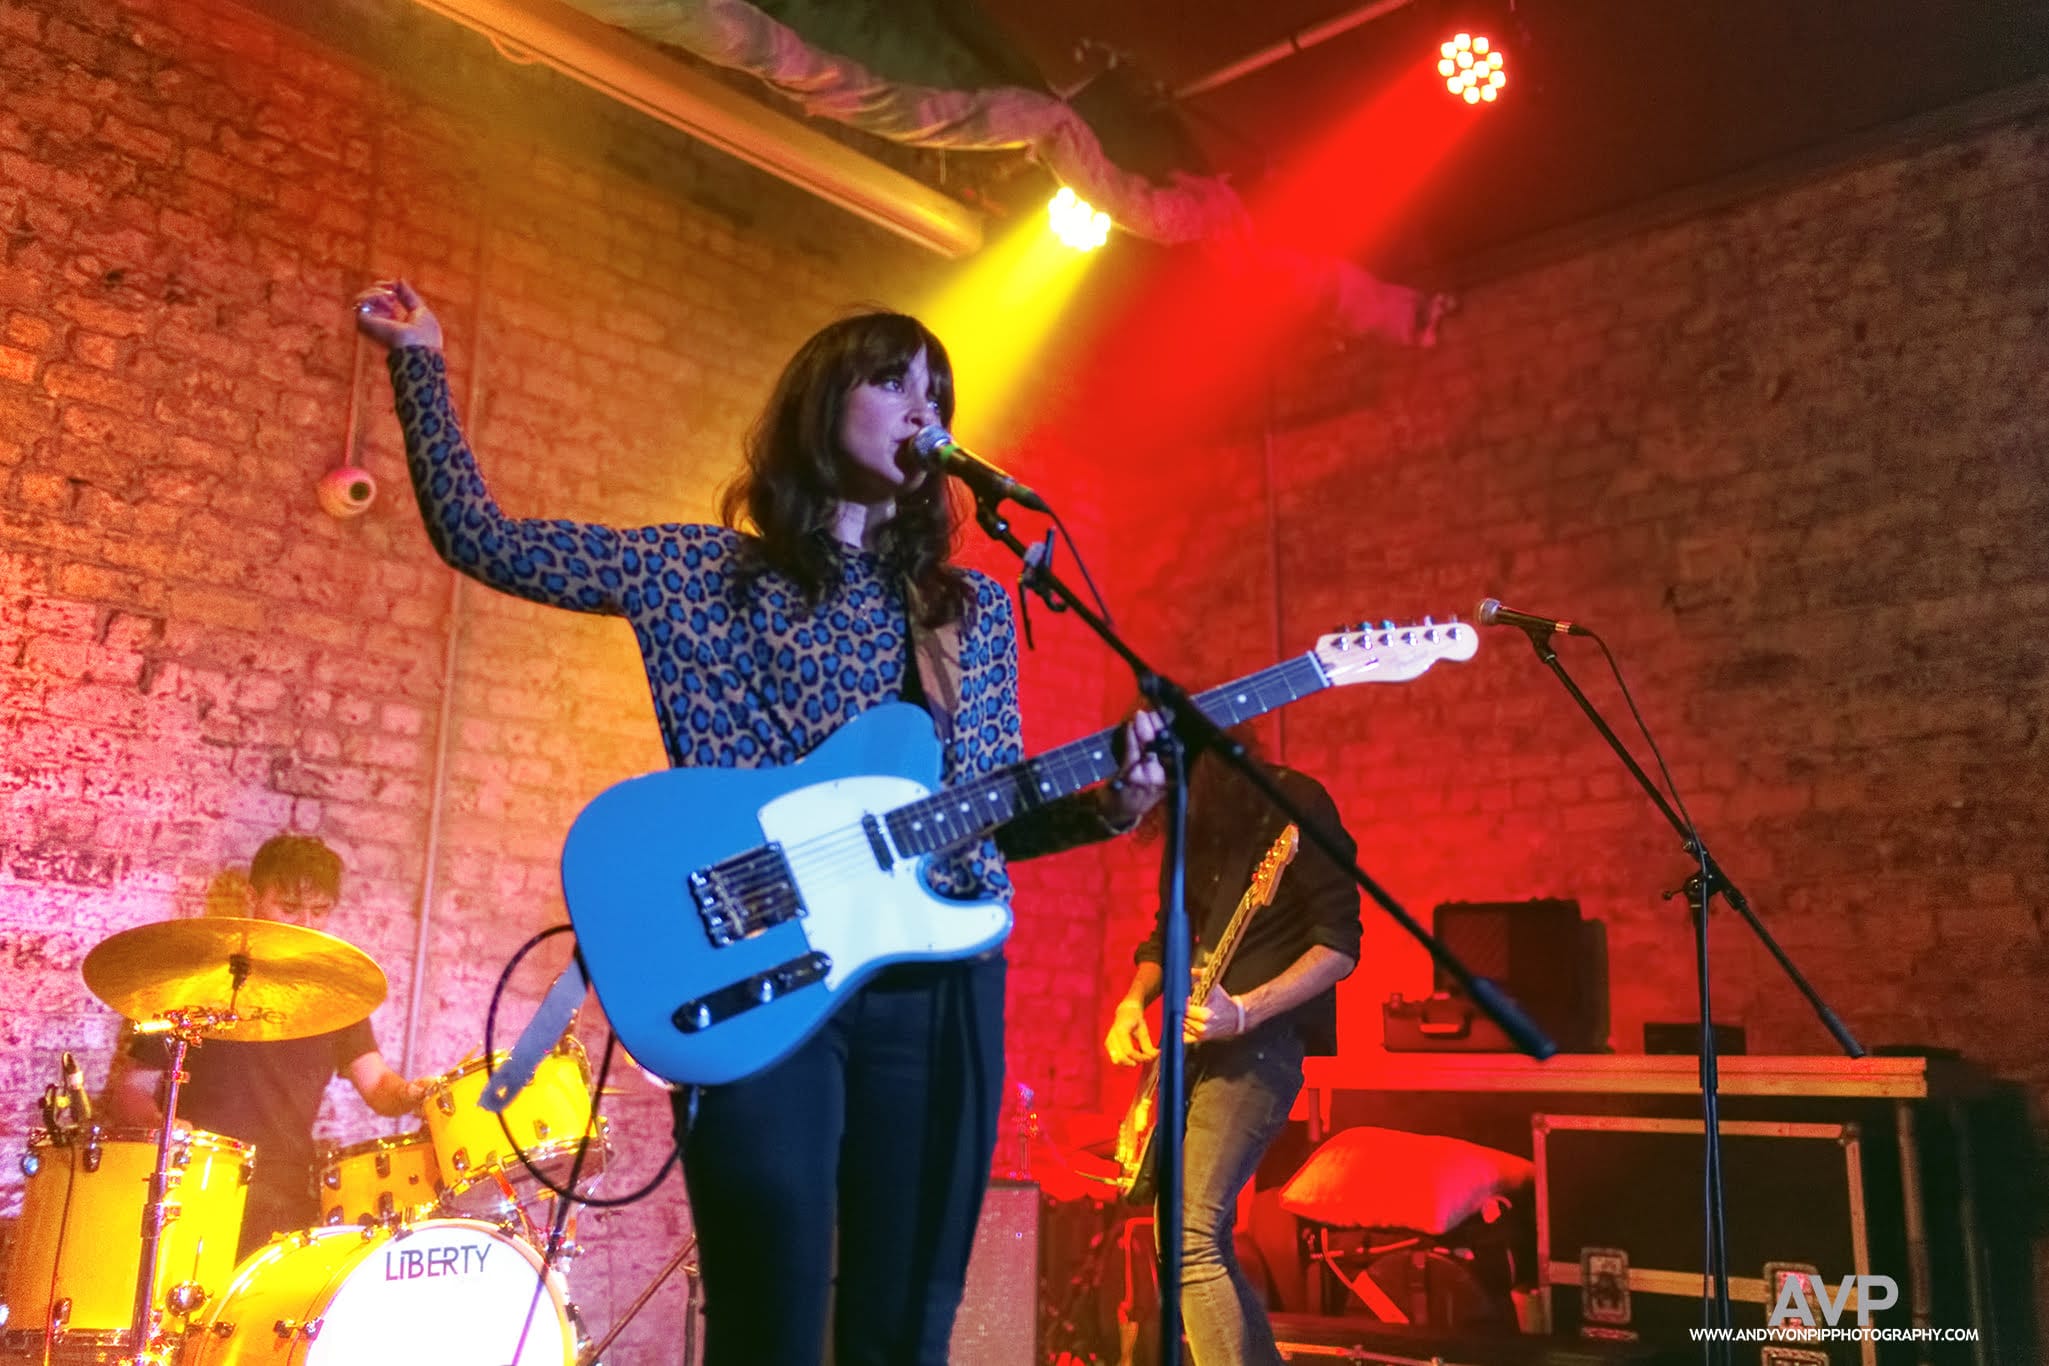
<point x="640" y="75"/>
<point x="451" y="656"/>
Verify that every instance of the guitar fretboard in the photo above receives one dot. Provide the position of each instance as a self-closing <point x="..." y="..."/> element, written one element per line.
<point x="973" y="808"/>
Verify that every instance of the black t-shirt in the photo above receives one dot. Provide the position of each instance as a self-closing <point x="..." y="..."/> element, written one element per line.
<point x="1231" y="827"/>
<point x="263" y="1093"/>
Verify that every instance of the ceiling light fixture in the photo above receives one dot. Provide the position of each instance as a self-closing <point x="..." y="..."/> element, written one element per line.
<point x="1075" y="223"/>
<point x="1472" y="68"/>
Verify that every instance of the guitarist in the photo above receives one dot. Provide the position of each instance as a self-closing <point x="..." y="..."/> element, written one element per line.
<point x="828" y="591"/>
<point x="1275" y="1003"/>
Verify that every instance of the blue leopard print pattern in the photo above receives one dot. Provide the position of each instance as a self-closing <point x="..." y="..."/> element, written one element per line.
<point x="742" y="677"/>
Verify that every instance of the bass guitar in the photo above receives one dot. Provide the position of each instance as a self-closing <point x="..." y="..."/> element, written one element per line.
<point x="723" y="914"/>
<point x="1135" y="1133"/>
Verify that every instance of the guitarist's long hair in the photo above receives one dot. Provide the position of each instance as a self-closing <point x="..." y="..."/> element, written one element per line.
<point x="795" y="471"/>
<point x="1218" y="797"/>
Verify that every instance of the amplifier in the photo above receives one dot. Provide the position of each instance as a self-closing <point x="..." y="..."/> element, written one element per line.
<point x="998" y="1323"/>
<point x="1541" y="952"/>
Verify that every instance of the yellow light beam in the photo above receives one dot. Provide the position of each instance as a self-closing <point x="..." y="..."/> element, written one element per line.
<point x="997" y="312"/>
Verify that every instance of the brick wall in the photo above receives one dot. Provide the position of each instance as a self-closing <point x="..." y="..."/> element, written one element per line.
<point x="1787" y="457"/>
<point x="193" y="655"/>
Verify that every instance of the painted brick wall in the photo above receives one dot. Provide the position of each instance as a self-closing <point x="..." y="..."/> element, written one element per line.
<point x="192" y="655"/>
<point x="1787" y="457"/>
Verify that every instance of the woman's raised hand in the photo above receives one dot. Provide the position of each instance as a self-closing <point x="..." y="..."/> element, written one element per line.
<point x="392" y="314"/>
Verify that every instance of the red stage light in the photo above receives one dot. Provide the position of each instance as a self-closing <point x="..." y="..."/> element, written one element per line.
<point x="1472" y="67"/>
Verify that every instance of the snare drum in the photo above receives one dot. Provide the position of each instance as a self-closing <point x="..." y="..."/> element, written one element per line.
<point x="379" y="1180"/>
<point x="548" y="1118"/>
<point x="455" y="1292"/>
<point x="78" y="1246"/>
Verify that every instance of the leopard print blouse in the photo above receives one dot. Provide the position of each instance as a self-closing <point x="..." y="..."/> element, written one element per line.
<point x="743" y="675"/>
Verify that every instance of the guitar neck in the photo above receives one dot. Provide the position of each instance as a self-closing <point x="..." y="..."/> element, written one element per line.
<point x="974" y="808"/>
<point x="1227" y="944"/>
<point x="1258" y="892"/>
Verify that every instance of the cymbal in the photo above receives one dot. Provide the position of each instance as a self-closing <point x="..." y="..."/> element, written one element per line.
<point x="294" y="982"/>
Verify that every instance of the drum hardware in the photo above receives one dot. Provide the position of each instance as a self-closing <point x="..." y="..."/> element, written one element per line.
<point x="186" y="1028"/>
<point x="590" y="1352"/>
<point x="379" y="1181"/>
<point x="276" y="980"/>
<point x="548" y="1122"/>
<point x="75" y="1259"/>
<point x="250" y="979"/>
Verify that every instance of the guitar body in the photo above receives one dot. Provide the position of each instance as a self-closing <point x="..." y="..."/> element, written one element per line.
<point x="1135" y="1137"/>
<point x="627" y="862"/>
<point x="722" y="914"/>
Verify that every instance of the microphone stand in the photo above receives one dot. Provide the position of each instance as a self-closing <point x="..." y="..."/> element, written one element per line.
<point x="1188" y="734"/>
<point x="1707" y="880"/>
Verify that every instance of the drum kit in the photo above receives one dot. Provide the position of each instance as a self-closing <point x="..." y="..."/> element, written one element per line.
<point x="430" y="1245"/>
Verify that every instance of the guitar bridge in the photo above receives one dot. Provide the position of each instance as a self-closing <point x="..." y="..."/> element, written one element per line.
<point x="744" y="895"/>
<point x="694" y="1017"/>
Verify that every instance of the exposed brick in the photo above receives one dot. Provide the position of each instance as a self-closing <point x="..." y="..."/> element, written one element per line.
<point x="1774" y="565"/>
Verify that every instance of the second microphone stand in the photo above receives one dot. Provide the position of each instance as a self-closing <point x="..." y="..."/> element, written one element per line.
<point x="1190" y="732"/>
<point x="1700" y="889"/>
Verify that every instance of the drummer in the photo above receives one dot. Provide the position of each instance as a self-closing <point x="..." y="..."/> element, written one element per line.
<point x="269" y="1094"/>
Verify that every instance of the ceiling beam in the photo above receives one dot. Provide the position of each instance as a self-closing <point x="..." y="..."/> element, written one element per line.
<point x="641" y="76"/>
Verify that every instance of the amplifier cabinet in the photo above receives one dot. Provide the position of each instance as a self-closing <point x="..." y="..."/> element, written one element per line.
<point x="1620" y="1230"/>
<point x="998" y="1322"/>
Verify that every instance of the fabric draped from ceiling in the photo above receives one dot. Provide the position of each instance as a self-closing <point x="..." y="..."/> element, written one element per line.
<point x="1201" y="210"/>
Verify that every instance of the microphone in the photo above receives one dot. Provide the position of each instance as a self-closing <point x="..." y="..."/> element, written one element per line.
<point x="74" y="1090"/>
<point x="937" y="450"/>
<point x="1490" y="612"/>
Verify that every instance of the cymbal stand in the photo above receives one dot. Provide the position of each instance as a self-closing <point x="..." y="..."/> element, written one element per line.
<point x="591" y="1354"/>
<point x="184" y="1028"/>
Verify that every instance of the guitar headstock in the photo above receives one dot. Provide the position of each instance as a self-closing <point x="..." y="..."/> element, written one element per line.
<point x="1267" y="876"/>
<point x="1393" y="653"/>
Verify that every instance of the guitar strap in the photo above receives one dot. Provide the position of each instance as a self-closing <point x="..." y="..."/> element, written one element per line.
<point x="936" y="651"/>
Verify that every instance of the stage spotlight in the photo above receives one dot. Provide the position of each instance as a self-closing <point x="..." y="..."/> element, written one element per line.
<point x="1472" y="68"/>
<point x="1075" y="223"/>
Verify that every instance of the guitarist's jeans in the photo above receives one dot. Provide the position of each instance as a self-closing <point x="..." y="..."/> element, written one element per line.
<point x="889" y="1114"/>
<point x="1239" y="1094"/>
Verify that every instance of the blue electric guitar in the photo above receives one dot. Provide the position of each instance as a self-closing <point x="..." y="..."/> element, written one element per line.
<point x="723" y="914"/>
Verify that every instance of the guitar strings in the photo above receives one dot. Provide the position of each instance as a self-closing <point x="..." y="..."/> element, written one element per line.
<point x="829" y="853"/>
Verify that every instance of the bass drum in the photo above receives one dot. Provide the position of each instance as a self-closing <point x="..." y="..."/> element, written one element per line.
<point x="456" y="1292"/>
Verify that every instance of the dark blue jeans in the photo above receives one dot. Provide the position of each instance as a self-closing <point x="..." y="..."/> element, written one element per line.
<point x="878" y="1133"/>
<point x="1239" y="1094"/>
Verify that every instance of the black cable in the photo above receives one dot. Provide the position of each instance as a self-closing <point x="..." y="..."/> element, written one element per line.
<point x="583" y="1143"/>
<point x="1074" y="549"/>
<point x="1711" y="1176"/>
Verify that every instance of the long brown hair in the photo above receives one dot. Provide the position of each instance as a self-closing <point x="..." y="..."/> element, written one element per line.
<point x="1218" y="795"/>
<point x="795" y="471"/>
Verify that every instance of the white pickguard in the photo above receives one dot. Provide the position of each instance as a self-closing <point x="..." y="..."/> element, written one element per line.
<point x="856" y="912"/>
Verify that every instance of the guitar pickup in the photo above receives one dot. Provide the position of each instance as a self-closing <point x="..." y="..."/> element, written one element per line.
<point x="696" y="1016"/>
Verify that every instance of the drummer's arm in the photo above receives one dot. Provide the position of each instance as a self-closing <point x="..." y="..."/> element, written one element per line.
<point x="382" y="1089"/>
